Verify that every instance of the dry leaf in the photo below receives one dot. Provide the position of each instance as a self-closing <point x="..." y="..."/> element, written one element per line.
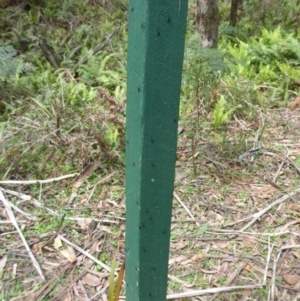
<point x="177" y="245"/>
<point x="121" y="244"/>
<point x="69" y="254"/>
<point x="67" y="296"/>
<point x="247" y="242"/>
<point x="242" y="181"/>
<point x="216" y="194"/>
<point x="3" y="261"/>
<point x="294" y="207"/>
<point x="84" y="175"/>
<point x="222" y="244"/>
<point x="296" y="254"/>
<point x="263" y="191"/>
<point x="177" y="259"/>
<point x="96" y="246"/>
<point x="292" y="240"/>
<point x="76" y="292"/>
<point x="106" y="229"/>
<point x="84" y="198"/>
<point x="291" y="279"/>
<point x="218" y="181"/>
<point x="37" y="248"/>
<point x="57" y="243"/>
<point x="246" y="294"/>
<point x="247" y="268"/>
<point x="91" y="280"/>
<point x="84" y="223"/>
<point x="261" y="270"/>
<point x="286" y="226"/>
<point x="295" y="103"/>
<point x="194" y="258"/>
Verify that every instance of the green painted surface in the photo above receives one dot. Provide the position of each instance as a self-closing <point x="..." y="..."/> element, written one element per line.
<point x="155" y="56"/>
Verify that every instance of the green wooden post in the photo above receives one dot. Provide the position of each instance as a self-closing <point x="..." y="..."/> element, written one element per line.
<point x="155" y="56"/>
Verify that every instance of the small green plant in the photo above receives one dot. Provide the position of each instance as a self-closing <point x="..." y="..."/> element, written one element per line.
<point x="221" y="112"/>
<point x="41" y="227"/>
<point x="271" y="63"/>
<point x="114" y="288"/>
<point x="10" y="65"/>
<point x="202" y="71"/>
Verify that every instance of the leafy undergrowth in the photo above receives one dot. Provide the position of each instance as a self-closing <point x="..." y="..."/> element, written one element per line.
<point x="236" y="212"/>
<point x="235" y="221"/>
<point x="62" y="121"/>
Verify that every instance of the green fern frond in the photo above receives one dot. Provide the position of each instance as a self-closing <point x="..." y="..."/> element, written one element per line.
<point x="10" y="66"/>
<point x="8" y="63"/>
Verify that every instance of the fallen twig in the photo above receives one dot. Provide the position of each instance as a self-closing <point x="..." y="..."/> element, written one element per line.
<point x="29" y="182"/>
<point x="104" y="180"/>
<point x="212" y="291"/>
<point x="236" y="273"/>
<point x="36" y="203"/>
<point x="103" y="265"/>
<point x="15" y="223"/>
<point x="208" y="291"/>
<point x="186" y="208"/>
<point x="257" y="215"/>
<point x="278" y="172"/>
<point x="26" y="197"/>
<point x="270" y="249"/>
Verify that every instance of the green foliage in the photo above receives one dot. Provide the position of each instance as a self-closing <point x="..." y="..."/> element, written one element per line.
<point x="258" y="14"/>
<point x="10" y="65"/>
<point x="11" y="68"/>
<point x="202" y="70"/>
<point x="99" y="71"/>
<point x="72" y="121"/>
<point x="111" y="137"/>
<point x="253" y="65"/>
<point x="270" y="14"/>
<point x="221" y="113"/>
<point x="41" y="227"/>
<point x="273" y="60"/>
<point x="231" y="34"/>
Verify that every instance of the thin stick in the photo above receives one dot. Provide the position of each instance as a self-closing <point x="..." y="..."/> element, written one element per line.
<point x="29" y="182"/>
<point x="99" y="293"/>
<point x="211" y="291"/>
<point x="208" y="291"/>
<point x="86" y="297"/>
<point x="102" y="221"/>
<point x="278" y="172"/>
<point x="35" y="202"/>
<point x="29" y="198"/>
<point x="236" y="272"/>
<point x="15" y="223"/>
<point x="100" y="182"/>
<point x="270" y="249"/>
<point x="272" y="289"/>
<point x="289" y="247"/>
<point x="27" y="215"/>
<point x="236" y="232"/>
<point x="186" y="208"/>
<point x="237" y="222"/>
<point x="257" y="215"/>
<point x="86" y="253"/>
<point x="297" y="297"/>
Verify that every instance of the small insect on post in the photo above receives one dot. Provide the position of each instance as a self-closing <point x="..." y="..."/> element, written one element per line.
<point x="155" y="57"/>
